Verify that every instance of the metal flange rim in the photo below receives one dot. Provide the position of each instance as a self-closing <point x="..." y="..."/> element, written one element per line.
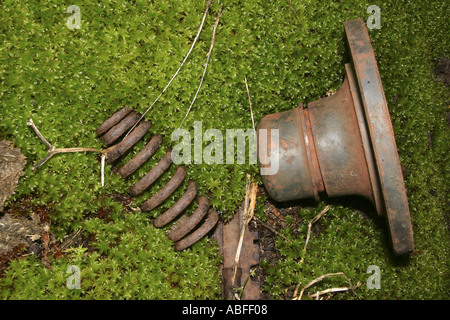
<point x="381" y="135"/>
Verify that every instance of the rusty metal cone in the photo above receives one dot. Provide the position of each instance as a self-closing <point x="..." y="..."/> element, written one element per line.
<point x="341" y="145"/>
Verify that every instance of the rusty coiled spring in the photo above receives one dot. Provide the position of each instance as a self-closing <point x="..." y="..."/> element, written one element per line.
<point x="183" y="235"/>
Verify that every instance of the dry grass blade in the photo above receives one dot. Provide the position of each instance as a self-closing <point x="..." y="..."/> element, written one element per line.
<point x="208" y="55"/>
<point x="242" y="233"/>
<point x="102" y="169"/>
<point x="249" y="206"/>
<point x="330" y="290"/>
<point x="251" y="209"/>
<point x="250" y="104"/>
<point x="265" y="225"/>
<point x="176" y="73"/>
<point x="318" y="280"/>
<point x="314" y="220"/>
<point x="295" y="295"/>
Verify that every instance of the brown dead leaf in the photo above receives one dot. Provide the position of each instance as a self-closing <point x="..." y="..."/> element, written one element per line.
<point x="46" y="240"/>
<point x="12" y="162"/>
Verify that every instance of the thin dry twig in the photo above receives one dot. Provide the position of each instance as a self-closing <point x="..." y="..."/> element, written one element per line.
<point x="314" y="220"/>
<point x="102" y="169"/>
<point x="296" y="291"/>
<point x="265" y="225"/>
<point x="52" y="150"/>
<point x="250" y="104"/>
<point x="39" y="134"/>
<point x="332" y="290"/>
<point x="292" y="8"/>
<point x="176" y="73"/>
<point x="249" y="207"/>
<point x="242" y="233"/>
<point x="327" y="275"/>
<point x="208" y="55"/>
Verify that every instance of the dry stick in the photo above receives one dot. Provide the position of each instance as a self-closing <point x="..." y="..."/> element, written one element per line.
<point x="319" y="293"/>
<point x="318" y="280"/>
<point x="351" y="287"/>
<point x="249" y="213"/>
<point x="39" y="134"/>
<point x="176" y="73"/>
<point x="330" y="290"/>
<point x="208" y="55"/>
<point x="250" y="195"/>
<point x="251" y="210"/>
<point x="52" y="150"/>
<point x="242" y="233"/>
<point x="102" y="169"/>
<point x="295" y="297"/>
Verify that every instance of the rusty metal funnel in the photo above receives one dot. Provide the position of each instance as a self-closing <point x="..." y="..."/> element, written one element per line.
<point x="342" y="145"/>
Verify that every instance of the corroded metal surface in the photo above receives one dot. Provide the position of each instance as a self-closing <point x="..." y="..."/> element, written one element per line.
<point x="191" y="221"/>
<point x="178" y="207"/>
<point x="126" y="144"/>
<point x="209" y="223"/>
<point x="365" y="138"/>
<point x="120" y="128"/>
<point x="165" y="191"/>
<point x="138" y="160"/>
<point x="195" y="226"/>
<point x="294" y="179"/>
<point x="382" y="136"/>
<point x="338" y="145"/>
<point x="113" y="120"/>
<point x="152" y="175"/>
<point x="343" y="145"/>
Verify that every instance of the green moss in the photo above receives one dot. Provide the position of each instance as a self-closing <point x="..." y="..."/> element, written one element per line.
<point x="70" y="81"/>
<point x="132" y="260"/>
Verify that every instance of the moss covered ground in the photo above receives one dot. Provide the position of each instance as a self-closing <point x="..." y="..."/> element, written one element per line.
<point x="70" y="80"/>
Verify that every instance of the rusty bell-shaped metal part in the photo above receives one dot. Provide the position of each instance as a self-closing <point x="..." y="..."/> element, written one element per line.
<point x="342" y="145"/>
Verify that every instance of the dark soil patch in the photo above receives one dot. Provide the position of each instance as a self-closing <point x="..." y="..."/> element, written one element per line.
<point x="268" y="232"/>
<point x="442" y="71"/>
<point x="8" y="256"/>
<point x="24" y="230"/>
<point x="104" y="212"/>
<point x="24" y="225"/>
